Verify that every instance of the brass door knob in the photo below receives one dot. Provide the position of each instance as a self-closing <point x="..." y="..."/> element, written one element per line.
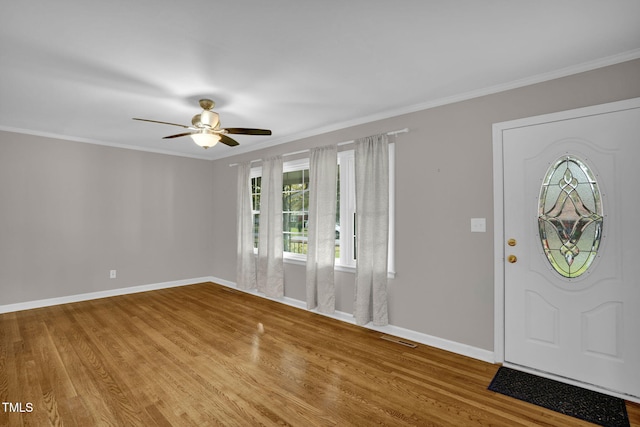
<point x="512" y="259"/>
<point x="511" y="242"/>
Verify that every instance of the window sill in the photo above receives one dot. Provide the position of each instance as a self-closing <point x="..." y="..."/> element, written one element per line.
<point x="342" y="268"/>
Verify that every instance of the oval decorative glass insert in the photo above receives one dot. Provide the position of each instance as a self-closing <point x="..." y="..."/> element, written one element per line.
<point x="570" y="216"/>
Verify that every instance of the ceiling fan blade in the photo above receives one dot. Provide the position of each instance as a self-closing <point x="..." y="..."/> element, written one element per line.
<point x="229" y="141"/>
<point x="164" y="123"/>
<point x="248" y="131"/>
<point x="178" y="135"/>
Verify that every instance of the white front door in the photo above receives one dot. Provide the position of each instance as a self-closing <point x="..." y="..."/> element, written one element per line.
<point x="572" y="252"/>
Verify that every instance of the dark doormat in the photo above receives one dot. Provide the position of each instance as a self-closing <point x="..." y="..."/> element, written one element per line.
<point x="567" y="399"/>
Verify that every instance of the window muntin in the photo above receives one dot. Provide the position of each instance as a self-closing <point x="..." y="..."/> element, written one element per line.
<point x="570" y="217"/>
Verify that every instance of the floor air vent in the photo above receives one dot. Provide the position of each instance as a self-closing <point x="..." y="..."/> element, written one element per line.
<point x="398" y="341"/>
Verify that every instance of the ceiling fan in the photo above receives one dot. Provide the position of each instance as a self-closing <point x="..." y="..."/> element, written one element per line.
<point x="205" y="128"/>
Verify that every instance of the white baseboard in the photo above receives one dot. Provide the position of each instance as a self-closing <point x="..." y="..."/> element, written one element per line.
<point x="100" y="294"/>
<point x="419" y="337"/>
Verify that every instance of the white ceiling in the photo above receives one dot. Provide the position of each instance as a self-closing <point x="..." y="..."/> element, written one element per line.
<point x="81" y="69"/>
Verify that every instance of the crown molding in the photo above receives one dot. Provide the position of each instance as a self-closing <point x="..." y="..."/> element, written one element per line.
<point x="527" y="81"/>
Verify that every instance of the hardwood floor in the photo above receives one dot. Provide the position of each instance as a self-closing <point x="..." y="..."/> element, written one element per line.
<point x="206" y="355"/>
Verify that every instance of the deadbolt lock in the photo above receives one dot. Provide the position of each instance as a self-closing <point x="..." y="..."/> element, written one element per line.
<point x="511" y="242"/>
<point x="512" y="259"/>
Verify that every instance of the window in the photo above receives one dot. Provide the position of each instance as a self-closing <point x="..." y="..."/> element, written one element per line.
<point x="295" y="209"/>
<point x="256" y="183"/>
<point x="570" y="216"/>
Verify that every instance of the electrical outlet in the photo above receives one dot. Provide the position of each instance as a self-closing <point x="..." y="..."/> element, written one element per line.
<point x="112" y="274"/>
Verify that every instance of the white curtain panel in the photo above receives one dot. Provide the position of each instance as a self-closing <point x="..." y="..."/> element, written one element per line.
<point x="321" y="229"/>
<point x="372" y="229"/>
<point x="246" y="260"/>
<point x="270" y="261"/>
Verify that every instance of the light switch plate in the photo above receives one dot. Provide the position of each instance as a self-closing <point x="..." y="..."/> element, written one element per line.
<point x="478" y="225"/>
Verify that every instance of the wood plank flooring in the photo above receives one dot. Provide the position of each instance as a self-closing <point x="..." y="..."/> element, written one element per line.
<point x="205" y="355"/>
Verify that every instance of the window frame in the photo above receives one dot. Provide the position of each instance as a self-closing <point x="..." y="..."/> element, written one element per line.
<point x="346" y="164"/>
<point x="294" y="166"/>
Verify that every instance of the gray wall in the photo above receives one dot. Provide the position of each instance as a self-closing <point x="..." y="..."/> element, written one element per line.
<point x="70" y="212"/>
<point x="444" y="283"/>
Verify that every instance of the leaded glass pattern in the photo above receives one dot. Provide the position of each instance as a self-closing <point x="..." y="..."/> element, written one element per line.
<point x="570" y="216"/>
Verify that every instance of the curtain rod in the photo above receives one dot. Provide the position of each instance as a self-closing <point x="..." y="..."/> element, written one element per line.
<point x="393" y="132"/>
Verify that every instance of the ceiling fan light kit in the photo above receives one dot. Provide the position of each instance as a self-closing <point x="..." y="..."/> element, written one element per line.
<point x="205" y="128"/>
<point x="205" y="139"/>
